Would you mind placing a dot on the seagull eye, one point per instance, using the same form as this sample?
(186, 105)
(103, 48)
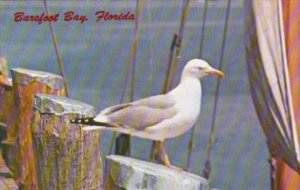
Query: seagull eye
(200, 68)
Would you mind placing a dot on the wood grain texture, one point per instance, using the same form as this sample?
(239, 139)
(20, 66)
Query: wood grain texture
(6, 99)
(124, 173)
(18, 145)
(67, 157)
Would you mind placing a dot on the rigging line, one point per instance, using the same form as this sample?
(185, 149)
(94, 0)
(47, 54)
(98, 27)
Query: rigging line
(203, 28)
(206, 171)
(169, 76)
(54, 41)
(133, 51)
(178, 42)
(151, 43)
(131, 63)
(191, 141)
(164, 87)
(139, 13)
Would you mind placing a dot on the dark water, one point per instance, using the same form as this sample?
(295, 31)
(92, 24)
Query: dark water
(95, 57)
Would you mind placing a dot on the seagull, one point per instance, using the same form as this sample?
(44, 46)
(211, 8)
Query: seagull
(158, 117)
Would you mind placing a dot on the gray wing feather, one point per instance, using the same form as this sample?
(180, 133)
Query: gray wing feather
(159, 101)
(142, 113)
(115, 108)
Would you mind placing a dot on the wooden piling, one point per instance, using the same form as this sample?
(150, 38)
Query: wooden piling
(6, 98)
(8, 184)
(18, 145)
(131, 174)
(66, 156)
(6, 103)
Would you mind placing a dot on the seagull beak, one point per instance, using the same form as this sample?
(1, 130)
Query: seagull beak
(215, 72)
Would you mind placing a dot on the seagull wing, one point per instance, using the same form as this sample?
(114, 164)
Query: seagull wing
(142, 113)
(115, 108)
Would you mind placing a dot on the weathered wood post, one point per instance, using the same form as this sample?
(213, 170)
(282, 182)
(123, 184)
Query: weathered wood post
(131, 174)
(6, 103)
(67, 157)
(18, 145)
(6, 98)
(6, 180)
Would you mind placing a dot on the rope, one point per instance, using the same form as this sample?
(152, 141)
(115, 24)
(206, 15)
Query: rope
(207, 169)
(203, 28)
(164, 87)
(179, 40)
(172, 67)
(191, 141)
(176, 44)
(54, 41)
(132, 61)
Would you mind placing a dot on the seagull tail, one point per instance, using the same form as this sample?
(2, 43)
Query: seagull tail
(92, 121)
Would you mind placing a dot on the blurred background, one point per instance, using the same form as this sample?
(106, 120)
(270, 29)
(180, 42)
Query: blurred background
(95, 57)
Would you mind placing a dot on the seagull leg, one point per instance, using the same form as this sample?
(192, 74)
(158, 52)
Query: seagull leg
(161, 153)
(162, 156)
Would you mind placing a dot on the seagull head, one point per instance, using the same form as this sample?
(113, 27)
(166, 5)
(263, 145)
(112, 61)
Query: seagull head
(198, 68)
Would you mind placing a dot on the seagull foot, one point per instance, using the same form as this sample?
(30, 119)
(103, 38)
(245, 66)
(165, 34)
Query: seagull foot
(161, 155)
(175, 167)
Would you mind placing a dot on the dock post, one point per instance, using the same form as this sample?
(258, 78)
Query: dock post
(6, 103)
(131, 174)
(66, 156)
(6, 98)
(18, 144)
